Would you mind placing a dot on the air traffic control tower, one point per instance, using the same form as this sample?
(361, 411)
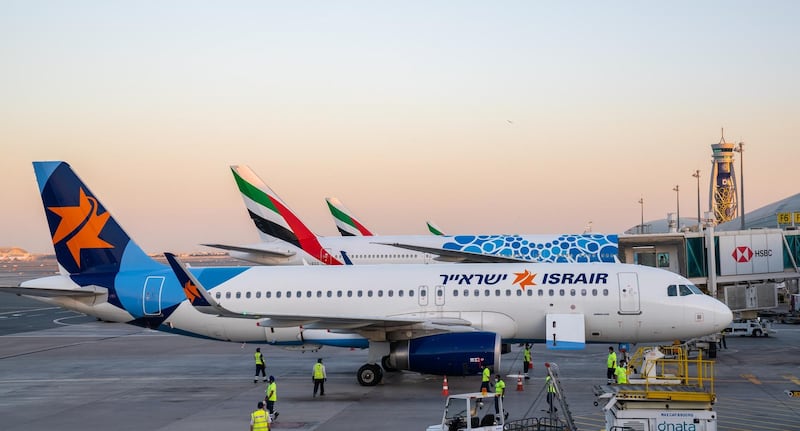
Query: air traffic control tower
(722, 196)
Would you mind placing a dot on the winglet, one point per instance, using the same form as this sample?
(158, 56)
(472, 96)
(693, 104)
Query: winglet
(346, 222)
(197, 295)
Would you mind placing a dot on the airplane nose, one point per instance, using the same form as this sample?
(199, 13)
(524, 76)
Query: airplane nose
(723, 316)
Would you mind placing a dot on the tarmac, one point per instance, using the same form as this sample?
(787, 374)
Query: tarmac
(64, 371)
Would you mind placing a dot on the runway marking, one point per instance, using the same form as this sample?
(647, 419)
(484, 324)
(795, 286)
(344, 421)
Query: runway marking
(30, 310)
(753, 379)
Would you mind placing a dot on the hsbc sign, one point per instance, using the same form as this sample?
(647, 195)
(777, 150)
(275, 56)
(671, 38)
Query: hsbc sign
(753, 253)
(742, 254)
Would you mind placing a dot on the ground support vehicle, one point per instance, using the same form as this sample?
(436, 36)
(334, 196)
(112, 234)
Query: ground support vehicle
(672, 393)
(750, 328)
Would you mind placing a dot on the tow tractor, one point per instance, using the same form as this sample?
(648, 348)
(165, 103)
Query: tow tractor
(475, 411)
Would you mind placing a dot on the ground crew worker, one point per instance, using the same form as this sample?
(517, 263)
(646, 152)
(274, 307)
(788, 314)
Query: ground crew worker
(551, 393)
(622, 373)
(500, 391)
(611, 365)
(271, 397)
(259, 419)
(486, 375)
(260, 366)
(319, 376)
(526, 360)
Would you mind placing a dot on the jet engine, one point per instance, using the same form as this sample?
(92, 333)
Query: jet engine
(451, 354)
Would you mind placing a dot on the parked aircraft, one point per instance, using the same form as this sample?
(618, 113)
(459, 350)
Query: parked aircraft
(437, 319)
(346, 222)
(287, 241)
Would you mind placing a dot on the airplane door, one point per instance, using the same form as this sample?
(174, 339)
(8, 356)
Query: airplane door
(439, 295)
(628, 293)
(423, 296)
(151, 295)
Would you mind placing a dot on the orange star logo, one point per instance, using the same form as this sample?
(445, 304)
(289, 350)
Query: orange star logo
(524, 279)
(190, 290)
(83, 223)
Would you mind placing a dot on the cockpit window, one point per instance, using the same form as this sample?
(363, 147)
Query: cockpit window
(696, 290)
(685, 290)
(672, 290)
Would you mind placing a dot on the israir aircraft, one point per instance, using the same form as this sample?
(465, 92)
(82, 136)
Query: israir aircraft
(287, 241)
(437, 319)
(346, 223)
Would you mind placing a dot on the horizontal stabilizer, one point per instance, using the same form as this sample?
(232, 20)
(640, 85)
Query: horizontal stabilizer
(566, 332)
(43, 292)
(252, 250)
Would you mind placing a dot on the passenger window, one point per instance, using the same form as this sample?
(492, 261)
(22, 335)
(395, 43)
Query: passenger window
(369, 293)
(380, 293)
(288, 293)
(672, 290)
(497, 292)
(541, 292)
(278, 294)
(477, 292)
(519, 292)
(572, 292)
(338, 293)
(605, 292)
(299, 294)
(238, 295)
(329, 294)
(561, 292)
(487, 292)
(308, 294)
(594, 292)
(583, 292)
(466, 292)
(268, 294)
(400, 293)
(455, 292)
(551, 292)
(508, 292)
(410, 293)
(219, 295)
(349, 293)
(390, 293)
(319, 294)
(360, 293)
(258, 295)
(530, 292)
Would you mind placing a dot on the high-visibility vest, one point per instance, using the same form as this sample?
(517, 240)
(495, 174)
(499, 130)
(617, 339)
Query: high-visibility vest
(527, 355)
(318, 374)
(499, 387)
(259, 418)
(272, 392)
(486, 374)
(550, 387)
(612, 360)
(259, 358)
(622, 375)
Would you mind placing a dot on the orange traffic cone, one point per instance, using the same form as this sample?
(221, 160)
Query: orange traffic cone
(519, 384)
(445, 389)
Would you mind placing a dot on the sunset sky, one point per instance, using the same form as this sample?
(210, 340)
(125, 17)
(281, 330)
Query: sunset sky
(485, 117)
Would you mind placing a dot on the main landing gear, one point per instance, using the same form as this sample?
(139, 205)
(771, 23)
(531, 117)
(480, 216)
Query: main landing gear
(369, 375)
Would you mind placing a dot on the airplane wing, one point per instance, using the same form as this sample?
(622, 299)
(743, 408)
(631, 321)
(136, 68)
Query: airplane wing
(204, 302)
(457, 255)
(270, 253)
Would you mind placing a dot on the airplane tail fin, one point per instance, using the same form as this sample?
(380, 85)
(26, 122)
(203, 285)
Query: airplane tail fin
(434, 229)
(346, 222)
(272, 216)
(86, 237)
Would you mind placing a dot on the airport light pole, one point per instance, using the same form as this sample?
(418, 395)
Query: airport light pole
(696, 174)
(641, 225)
(678, 201)
(740, 149)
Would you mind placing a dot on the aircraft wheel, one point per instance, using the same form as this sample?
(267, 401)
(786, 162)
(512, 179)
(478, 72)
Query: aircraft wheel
(757, 333)
(386, 366)
(369, 375)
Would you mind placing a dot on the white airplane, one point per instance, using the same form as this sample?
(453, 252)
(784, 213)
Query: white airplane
(346, 221)
(285, 240)
(437, 319)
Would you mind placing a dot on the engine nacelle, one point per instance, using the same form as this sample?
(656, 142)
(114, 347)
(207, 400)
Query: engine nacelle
(451, 354)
